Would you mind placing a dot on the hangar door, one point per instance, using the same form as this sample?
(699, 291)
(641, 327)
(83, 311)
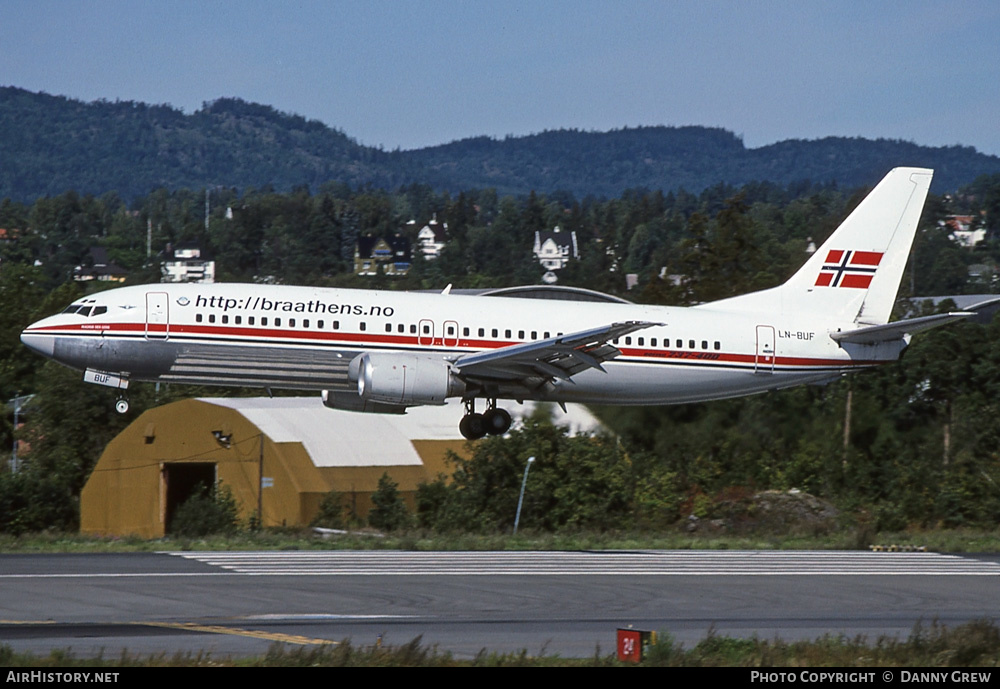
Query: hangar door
(181, 480)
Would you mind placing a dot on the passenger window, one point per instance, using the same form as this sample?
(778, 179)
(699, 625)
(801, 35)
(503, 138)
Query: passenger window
(263, 320)
(717, 345)
(277, 322)
(305, 323)
(506, 333)
(465, 332)
(520, 334)
(704, 344)
(482, 332)
(291, 322)
(628, 340)
(427, 330)
(211, 318)
(614, 341)
(225, 319)
(238, 320)
(652, 342)
(496, 332)
(197, 318)
(413, 330)
(690, 344)
(534, 334)
(251, 320)
(388, 327)
(319, 324)
(641, 341)
(547, 334)
(400, 328)
(364, 326)
(336, 325)
(680, 344)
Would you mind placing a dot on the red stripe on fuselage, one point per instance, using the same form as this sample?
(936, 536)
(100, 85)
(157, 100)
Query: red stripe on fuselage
(277, 336)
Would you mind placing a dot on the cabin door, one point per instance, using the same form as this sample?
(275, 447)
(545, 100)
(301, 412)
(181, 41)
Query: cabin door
(157, 316)
(764, 360)
(425, 332)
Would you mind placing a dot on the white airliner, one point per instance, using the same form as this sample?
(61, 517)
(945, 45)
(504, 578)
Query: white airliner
(377, 351)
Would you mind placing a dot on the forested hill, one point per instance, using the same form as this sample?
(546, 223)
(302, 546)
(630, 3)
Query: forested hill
(51, 144)
(669, 158)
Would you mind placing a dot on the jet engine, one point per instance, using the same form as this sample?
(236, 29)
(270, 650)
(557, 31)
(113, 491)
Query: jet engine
(404, 379)
(349, 401)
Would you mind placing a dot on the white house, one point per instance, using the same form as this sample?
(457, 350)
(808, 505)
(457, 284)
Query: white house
(431, 238)
(554, 248)
(962, 230)
(186, 264)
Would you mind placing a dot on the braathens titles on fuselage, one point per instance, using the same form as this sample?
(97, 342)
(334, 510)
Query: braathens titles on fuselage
(383, 351)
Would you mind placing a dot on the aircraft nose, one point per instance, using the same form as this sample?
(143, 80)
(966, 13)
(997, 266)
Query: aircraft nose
(40, 342)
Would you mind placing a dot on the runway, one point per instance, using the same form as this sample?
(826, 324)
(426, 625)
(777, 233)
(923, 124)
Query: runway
(566, 603)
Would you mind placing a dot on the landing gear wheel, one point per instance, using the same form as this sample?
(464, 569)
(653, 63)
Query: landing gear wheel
(121, 406)
(497, 421)
(472, 426)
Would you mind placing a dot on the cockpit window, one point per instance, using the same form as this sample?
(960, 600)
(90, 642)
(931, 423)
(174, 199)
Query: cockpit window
(86, 309)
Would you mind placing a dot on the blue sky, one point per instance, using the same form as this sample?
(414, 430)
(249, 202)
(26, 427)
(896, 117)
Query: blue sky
(410, 74)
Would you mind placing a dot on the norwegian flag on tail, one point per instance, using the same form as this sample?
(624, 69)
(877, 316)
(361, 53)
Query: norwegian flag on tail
(848, 268)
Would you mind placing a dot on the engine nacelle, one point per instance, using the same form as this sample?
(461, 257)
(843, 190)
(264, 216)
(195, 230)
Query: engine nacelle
(407, 379)
(348, 400)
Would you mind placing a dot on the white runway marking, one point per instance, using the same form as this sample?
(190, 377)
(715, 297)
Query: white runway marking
(603, 563)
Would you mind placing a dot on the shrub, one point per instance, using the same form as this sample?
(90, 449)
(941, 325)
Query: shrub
(206, 512)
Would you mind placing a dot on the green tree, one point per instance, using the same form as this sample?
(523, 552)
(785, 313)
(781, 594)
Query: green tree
(389, 512)
(331, 514)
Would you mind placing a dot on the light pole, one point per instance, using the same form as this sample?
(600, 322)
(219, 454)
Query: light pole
(18, 404)
(524, 481)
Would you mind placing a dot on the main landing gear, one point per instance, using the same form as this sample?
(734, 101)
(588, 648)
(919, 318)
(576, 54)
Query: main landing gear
(494, 421)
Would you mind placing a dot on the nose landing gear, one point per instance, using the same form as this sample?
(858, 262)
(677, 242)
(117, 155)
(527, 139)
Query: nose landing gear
(494, 421)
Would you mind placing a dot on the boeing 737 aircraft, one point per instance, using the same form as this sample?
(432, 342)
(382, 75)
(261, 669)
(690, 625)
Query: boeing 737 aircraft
(375, 351)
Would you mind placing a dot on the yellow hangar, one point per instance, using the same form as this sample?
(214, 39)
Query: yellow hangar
(279, 457)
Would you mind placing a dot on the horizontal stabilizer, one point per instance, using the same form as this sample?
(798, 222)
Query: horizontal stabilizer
(982, 305)
(874, 334)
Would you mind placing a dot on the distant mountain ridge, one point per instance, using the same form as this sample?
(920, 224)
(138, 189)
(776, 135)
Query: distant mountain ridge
(51, 144)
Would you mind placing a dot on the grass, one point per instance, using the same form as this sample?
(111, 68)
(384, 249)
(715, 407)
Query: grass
(954, 541)
(976, 644)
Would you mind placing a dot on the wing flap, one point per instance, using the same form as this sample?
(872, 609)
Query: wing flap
(558, 357)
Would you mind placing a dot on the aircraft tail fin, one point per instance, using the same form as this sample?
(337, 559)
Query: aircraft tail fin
(857, 271)
(855, 275)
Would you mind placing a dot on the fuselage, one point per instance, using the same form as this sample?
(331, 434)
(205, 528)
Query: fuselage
(304, 338)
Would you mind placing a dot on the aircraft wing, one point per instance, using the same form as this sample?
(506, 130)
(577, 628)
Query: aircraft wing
(875, 334)
(557, 357)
